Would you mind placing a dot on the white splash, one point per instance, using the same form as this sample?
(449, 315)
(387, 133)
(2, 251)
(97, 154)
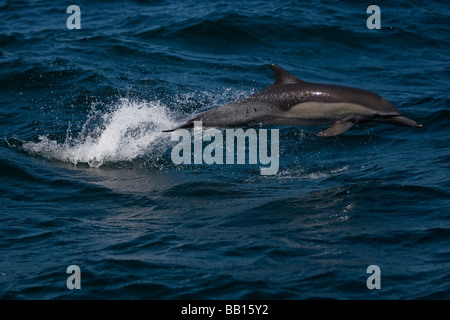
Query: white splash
(129, 130)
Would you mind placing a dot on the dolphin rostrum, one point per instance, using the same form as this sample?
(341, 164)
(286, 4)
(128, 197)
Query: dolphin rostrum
(291, 101)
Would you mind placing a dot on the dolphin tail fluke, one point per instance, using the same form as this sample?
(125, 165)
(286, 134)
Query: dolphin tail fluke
(336, 129)
(186, 125)
(403, 121)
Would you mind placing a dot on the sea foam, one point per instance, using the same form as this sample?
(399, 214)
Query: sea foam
(125, 131)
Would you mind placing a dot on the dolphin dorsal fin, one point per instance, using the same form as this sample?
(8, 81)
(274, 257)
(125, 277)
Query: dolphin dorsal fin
(282, 76)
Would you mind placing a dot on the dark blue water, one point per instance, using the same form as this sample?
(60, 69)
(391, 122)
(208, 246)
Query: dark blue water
(87, 177)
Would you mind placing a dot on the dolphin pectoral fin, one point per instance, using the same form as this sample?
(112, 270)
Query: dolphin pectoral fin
(336, 129)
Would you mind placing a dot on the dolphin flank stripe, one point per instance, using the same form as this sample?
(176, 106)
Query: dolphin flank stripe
(292, 101)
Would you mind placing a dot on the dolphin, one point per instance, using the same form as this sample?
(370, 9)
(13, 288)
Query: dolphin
(292, 101)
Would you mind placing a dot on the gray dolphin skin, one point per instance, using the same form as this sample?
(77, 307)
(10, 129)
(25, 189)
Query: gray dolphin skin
(294, 102)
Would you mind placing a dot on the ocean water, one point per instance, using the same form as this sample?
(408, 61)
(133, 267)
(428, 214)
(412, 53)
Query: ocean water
(87, 177)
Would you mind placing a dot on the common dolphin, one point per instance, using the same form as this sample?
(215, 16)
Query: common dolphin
(291, 101)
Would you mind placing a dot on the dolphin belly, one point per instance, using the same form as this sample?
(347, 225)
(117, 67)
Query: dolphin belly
(323, 113)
